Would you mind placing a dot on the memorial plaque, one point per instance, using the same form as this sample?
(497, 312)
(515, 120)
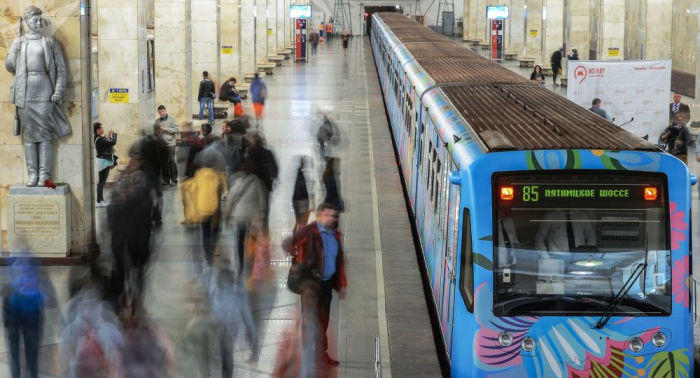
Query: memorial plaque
(37, 218)
(38, 221)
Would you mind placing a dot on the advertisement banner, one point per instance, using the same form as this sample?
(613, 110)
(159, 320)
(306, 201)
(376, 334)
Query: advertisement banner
(639, 89)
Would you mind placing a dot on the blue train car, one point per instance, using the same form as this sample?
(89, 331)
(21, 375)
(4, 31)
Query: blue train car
(556, 244)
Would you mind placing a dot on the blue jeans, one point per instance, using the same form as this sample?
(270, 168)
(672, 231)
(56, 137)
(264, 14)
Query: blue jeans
(206, 102)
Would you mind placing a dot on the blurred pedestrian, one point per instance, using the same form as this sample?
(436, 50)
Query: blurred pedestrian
(331, 182)
(244, 203)
(154, 151)
(106, 160)
(197, 144)
(556, 65)
(233, 146)
(258, 92)
(265, 167)
(346, 41)
(147, 350)
(301, 200)
(23, 310)
(129, 216)
(318, 246)
(167, 130)
(206, 96)
(314, 38)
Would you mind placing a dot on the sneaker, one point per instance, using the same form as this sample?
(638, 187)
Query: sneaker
(173, 183)
(102, 204)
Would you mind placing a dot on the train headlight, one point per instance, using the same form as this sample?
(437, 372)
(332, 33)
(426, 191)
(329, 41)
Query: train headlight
(659, 339)
(505, 339)
(528, 344)
(636, 344)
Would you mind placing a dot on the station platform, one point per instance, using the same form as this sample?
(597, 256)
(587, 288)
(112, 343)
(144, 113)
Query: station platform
(385, 296)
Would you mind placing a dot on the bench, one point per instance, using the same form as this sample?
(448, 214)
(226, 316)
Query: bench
(249, 76)
(285, 53)
(527, 62)
(564, 80)
(267, 68)
(476, 42)
(220, 107)
(276, 59)
(510, 55)
(485, 46)
(547, 70)
(243, 90)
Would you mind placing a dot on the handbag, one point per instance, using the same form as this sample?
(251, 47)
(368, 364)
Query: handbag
(300, 273)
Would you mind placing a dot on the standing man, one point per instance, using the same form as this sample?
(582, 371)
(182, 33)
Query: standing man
(677, 107)
(329, 30)
(313, 38)
(321, 29)
(556, 65)
(320, 242)
(167, 132)
(677, 138)
(207, 94)
(258, 91)
(597, 109)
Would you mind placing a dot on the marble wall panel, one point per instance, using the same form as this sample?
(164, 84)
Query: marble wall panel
(171, 40)
(516, 27)
(473, 5)
(280, 29)
(13, 166)
(68, 164)
(121, 24)
(74, 113)
(261, 32)
(6, 132)
(118, 55)
(580, 28)
(203, 11)
(171, 93)
(77, 208)
(64, 28)
(173, 56)
(533, 38)
(247, 40)
(205, 52)
(172, 65)
(170, 15)
(482, 32)
(684, 32)
(229, 36)
(119, 79)
(272, 27)
(554, 26)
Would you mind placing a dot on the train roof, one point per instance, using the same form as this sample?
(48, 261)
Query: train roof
(502, 108)
(528, 117)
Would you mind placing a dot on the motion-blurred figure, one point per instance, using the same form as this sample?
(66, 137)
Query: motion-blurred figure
(204, 137)
(331, 182)
(23, 316)
(245, 202)
(129, 217)
(233, 146)
(328, 136)
(264, 166)
(301, 200)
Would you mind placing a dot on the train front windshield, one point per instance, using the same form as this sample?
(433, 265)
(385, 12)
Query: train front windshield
(566, 243)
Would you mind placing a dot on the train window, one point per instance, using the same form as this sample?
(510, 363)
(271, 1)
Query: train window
(466, 277)
(567, 244)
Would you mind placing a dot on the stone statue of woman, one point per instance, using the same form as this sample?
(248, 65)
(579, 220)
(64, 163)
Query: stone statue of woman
(37, 88)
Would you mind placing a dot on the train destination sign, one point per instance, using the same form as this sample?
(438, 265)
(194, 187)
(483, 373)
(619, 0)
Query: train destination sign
(552, 193)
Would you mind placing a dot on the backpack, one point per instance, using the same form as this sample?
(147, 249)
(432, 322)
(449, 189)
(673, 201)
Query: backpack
(91, 360)
(201, 195)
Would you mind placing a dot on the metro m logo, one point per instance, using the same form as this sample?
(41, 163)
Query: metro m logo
(580, 74)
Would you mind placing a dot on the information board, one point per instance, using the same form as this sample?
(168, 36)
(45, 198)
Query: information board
(119, 95)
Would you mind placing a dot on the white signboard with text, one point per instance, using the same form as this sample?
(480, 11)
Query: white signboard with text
(639, 89)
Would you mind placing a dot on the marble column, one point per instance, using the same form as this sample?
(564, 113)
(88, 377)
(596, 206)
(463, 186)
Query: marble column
(659, 28)
(516, 27)
(261, 32)
(281, 29)
(72, 154)
(482, 30)
(554, 27)
(272, 29)
(230, 27)
(173, 56)
(465, 24)
(472, 21)
(533, 28)
(579, 27)
(247, 37)
(205, 45)
(611, 30)
(122, 60)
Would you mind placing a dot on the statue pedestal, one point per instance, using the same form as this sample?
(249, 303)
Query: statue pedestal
(39, 221)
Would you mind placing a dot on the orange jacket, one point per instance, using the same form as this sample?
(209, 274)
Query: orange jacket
(329, 28)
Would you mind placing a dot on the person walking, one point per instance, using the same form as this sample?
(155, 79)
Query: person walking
(331, 182)
(301, 201)
(313, 38)
(556, 65)
(206, 96)
(167, 131)
(318, 246)
(346, 41)
(106, 160)
(329, 31)
(258, 92)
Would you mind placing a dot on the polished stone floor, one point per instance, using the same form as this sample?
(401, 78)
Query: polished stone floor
(380, 255)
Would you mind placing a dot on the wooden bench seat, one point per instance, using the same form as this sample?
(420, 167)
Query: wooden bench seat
(476, 42)
(249, 76)
(547, 70)
(276, 59)
(267, 68)
(485, 46)
(243, 90)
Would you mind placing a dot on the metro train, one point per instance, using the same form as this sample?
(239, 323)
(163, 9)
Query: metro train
(556, 243)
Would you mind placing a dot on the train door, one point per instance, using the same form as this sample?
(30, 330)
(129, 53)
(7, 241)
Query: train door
(452, 238)
(439, 226)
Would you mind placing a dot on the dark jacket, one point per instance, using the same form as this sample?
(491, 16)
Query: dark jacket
(206, 89)
(104, 147)
(682, 108)
(573, 56)
(333, 193)
(300, 191)
(306, 242)
(533, 76)
(228, 92)
(265, 165)
(556, 59)
(677, 132)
